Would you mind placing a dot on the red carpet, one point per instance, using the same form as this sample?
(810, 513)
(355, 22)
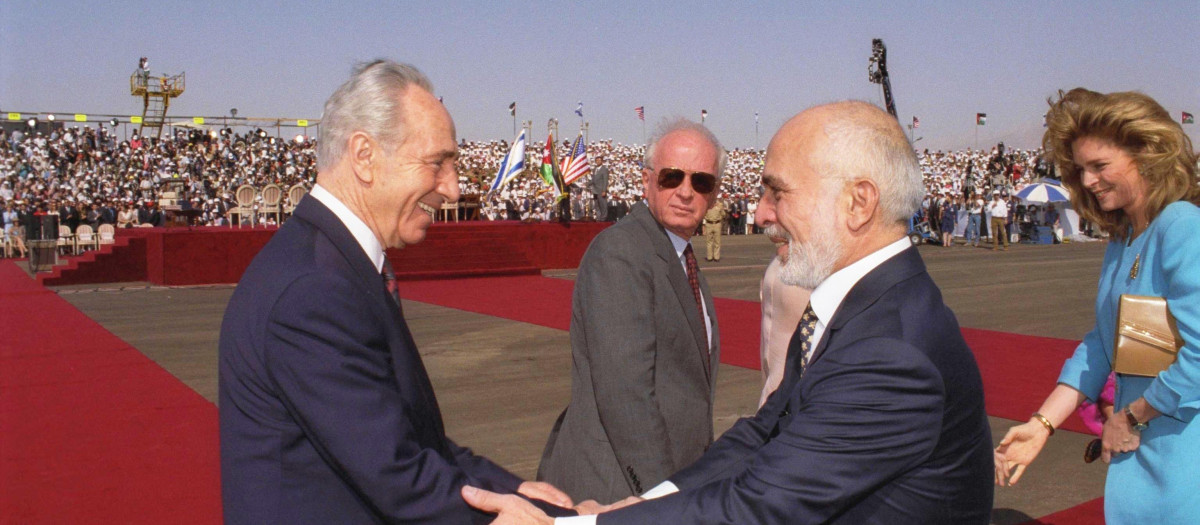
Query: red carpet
(1018, 370)
(1090, 513)
(92, 430)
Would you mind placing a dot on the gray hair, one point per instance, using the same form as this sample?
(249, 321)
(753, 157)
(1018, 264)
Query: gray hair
(368, 102)
(861, 145)
(673, 124)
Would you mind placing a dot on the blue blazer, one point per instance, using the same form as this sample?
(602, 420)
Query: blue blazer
(327, 414)
(887, 425)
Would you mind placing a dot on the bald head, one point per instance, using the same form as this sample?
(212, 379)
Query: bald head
(841, 183)
(856, 140)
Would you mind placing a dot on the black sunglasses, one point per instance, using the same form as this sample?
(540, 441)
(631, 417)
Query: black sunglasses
(703, 183)
(1093, 450)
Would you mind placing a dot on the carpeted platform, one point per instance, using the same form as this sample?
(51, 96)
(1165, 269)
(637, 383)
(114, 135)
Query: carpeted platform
(93, 431)
(219, 255)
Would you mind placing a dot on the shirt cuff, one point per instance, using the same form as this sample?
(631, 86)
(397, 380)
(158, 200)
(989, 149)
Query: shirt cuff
(665, 488)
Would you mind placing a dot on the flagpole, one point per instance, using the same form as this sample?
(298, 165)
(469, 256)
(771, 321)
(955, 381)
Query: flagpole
(514, 116)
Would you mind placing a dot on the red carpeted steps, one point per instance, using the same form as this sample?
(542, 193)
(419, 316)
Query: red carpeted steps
(450, 253)
(122, 261)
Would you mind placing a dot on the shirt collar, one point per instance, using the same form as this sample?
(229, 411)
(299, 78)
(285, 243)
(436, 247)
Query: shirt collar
(828, 296)
(359, 229)
(679, 243)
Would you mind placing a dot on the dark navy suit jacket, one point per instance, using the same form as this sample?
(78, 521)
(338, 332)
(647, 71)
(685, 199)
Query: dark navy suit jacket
(327, 414)
(886, 426)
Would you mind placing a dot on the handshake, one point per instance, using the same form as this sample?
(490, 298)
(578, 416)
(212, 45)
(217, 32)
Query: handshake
(513, 510)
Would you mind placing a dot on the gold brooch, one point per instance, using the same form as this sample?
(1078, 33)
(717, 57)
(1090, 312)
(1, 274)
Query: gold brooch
(1133, 271)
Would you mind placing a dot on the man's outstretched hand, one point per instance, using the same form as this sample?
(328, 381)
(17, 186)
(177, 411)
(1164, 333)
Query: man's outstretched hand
(545, 492)
(508, 508)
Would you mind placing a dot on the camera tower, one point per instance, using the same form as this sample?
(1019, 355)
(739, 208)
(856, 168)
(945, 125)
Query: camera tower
(156, 93)
(877, 73)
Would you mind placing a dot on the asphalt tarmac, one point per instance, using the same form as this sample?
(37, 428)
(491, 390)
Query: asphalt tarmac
(501, 383)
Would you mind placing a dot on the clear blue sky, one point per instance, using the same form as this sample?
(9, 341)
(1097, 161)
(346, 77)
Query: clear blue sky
(948, 60)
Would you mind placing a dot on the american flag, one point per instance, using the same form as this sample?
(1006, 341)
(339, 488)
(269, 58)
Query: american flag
(641, 112)
(916, 122)
(576, 163)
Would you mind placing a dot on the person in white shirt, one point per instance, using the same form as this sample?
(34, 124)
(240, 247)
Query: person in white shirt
(998, 209)
(974, 220)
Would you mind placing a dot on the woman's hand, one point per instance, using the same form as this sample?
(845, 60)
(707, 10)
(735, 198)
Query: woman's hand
(1117, 437)
(1018, 449)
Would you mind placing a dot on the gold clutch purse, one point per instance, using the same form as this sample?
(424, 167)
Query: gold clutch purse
(1148, 340)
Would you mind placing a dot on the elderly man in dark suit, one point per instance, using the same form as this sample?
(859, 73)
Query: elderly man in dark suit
(643, 334)
(326, 412)
(879, 418)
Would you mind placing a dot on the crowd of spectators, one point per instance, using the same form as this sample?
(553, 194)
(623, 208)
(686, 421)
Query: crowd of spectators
(73, 170)
(86, 174)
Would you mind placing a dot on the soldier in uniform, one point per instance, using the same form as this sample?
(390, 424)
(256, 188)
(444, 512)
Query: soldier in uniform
(712, 231)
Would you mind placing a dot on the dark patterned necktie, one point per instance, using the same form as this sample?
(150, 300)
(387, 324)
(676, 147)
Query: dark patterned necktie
(389, 281)
(693, 275)
(806, 327)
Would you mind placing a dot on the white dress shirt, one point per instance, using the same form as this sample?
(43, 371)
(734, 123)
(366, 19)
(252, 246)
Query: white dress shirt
(998, 208)
(363, 234)
(681, 244)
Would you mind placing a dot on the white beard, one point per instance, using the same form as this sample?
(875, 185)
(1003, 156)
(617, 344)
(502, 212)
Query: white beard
(810, 263)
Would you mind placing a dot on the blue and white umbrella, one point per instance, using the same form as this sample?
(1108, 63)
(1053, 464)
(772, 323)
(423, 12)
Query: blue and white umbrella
(1043, 192)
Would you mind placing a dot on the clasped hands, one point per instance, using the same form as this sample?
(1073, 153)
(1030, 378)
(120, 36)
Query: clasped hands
(510, 509)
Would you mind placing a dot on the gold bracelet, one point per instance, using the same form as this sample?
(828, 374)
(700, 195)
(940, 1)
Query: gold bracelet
(1045, 422)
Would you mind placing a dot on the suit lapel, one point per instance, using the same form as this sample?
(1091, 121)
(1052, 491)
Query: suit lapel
(412, 378)
(868, 290)
(714, 352)
(408, 364)
(679, 281)
(311, 210)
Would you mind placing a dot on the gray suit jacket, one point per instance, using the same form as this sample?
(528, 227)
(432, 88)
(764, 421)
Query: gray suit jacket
(642, 379)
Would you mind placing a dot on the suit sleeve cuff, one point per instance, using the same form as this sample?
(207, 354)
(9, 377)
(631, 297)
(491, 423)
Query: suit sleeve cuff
(665, 488)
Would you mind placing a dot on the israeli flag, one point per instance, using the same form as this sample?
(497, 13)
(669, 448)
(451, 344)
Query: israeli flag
(512, 165)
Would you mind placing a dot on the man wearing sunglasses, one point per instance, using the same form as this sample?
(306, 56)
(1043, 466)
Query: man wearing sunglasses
(643, 333)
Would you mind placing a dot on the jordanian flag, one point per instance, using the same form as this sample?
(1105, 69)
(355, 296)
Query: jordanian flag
(980, 119)
(550, 171)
